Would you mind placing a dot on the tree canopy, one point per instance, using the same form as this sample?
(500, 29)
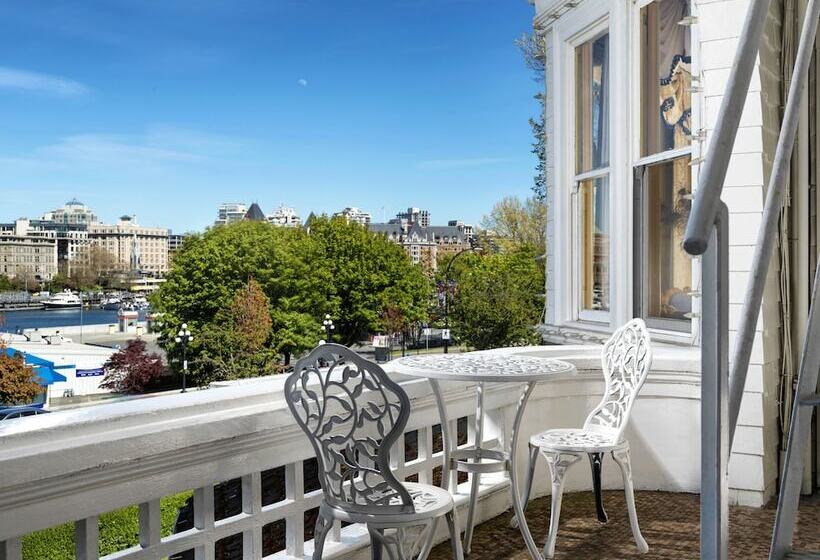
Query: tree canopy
(497, 301)
(294, 276)
(513, 224)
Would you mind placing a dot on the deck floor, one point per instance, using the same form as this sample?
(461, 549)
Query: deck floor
(669, 523)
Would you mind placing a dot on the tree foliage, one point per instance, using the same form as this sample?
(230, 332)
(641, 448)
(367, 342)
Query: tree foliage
(237, 343)
(6, 284)
(497, 301)
(533, 50)
(18, 381)
(330, 267)
(513, 224)
(369, 274)
(132, 369)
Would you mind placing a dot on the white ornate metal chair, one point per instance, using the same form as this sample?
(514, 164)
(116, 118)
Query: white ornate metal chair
(353, 413)
(626, 359)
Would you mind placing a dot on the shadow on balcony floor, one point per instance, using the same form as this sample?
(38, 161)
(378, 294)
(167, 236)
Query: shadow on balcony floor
(669, 523)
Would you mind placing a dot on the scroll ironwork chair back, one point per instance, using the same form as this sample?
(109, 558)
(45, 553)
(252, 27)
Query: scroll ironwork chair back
(353, 413)
(626, 359)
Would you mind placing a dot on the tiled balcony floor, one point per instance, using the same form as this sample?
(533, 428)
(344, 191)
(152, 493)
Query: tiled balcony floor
(669, 523)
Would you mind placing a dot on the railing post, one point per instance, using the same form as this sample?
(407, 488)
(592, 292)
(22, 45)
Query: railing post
(714, 401)
(11, 549)
(86, 539)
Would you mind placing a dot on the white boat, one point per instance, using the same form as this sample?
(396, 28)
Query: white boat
(63, 300)
(111, 303)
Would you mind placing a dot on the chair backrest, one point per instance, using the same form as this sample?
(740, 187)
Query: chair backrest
(353, 413)
(625, 360)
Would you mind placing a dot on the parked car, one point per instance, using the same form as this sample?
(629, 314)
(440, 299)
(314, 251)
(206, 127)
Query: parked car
(20, 412)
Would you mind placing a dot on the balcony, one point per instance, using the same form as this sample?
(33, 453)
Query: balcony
(75, 466)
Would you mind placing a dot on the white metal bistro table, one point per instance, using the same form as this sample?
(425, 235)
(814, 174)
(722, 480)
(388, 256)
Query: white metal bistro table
(482, 368)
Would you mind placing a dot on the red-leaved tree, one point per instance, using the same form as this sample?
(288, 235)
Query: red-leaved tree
(132, 369)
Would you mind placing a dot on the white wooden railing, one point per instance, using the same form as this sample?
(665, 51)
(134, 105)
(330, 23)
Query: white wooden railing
(75, 466)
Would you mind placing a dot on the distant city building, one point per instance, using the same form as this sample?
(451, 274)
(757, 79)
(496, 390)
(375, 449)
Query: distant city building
(355, 215)
(425, 244)
(73, 213)
(26, 253)
(255, 214)
(466, 229)
(412, 216)
(133, 245)
(230, 212)
(175, 241)
(285, 216)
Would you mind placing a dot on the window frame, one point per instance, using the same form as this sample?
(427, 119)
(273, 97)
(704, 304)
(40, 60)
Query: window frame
(600, 27)
(673, 329)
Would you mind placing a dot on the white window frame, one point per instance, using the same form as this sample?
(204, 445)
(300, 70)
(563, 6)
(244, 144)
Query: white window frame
(583, 23)
(637, 160)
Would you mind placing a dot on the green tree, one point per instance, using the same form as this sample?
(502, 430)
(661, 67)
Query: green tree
(6, 285)
(533, 50)
(369, 274)
(237, 343)
(497, 300)
(513, 224)
(211, 268)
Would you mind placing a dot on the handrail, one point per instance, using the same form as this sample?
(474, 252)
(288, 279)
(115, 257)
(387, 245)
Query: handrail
(767, 234)
(705, 205)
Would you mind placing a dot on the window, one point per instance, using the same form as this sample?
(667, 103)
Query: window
(663, 177)
(592, 175)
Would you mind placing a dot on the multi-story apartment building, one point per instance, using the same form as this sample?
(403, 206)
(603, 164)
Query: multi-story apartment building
(284, 216)
(132, 245)
(355, 215)
(230, 212)
(27, 253)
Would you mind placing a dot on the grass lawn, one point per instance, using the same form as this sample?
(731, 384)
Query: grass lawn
(118, 530)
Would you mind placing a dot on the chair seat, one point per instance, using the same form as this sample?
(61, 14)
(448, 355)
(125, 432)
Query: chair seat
(428, 500)
(580, 440)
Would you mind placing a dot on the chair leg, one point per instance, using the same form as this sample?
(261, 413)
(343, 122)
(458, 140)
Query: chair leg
(428, 534)
(376, 543)
(621, 457)
(596, 462)
(324, 524)
(558, 462)
(455, 536)
(525, 495)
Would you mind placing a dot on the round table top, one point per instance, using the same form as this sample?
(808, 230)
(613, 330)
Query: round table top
(471, 366)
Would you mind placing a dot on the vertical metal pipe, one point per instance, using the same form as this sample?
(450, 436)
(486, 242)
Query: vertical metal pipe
(767, 234)
(713, 172)
(714, 462)
(799, 432)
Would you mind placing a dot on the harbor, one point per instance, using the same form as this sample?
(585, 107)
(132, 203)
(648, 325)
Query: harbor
(38, 319)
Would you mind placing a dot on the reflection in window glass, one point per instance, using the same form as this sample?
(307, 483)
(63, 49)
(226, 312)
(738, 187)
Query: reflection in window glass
(592, 104)
(669, 267)
(666, 61)
(593, 196)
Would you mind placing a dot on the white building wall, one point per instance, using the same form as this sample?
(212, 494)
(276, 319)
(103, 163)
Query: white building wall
(753, 467)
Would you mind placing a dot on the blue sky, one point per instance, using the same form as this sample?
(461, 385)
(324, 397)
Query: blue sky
(165, 108)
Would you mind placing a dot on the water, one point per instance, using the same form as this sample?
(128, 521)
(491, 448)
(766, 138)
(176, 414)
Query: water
(49, 318)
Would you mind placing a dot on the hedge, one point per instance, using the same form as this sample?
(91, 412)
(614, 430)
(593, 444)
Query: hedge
(118, 530)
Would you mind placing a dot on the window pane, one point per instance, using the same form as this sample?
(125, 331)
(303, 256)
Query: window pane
(666, 78)
(592, 104)
(668, 267)
(594, 221)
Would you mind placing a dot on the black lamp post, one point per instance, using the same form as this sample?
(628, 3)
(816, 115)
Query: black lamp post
(447, 293)
(328, 327)
(184, 337)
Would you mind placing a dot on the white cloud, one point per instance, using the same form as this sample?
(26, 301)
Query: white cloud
(11, 78)
(465, 162)
(302, 82)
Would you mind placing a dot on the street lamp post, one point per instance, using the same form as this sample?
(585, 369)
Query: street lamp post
(328, 327)
(184, 337)
(447, 293)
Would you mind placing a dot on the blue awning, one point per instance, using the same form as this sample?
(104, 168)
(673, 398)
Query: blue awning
(44, 369)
